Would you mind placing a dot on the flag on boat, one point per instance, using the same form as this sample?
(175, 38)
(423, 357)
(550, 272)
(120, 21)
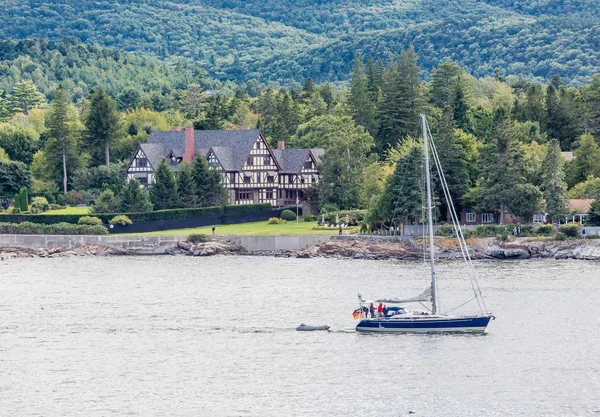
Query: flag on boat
(356, 314)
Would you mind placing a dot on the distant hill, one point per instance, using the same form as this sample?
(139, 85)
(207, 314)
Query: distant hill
(282, 40)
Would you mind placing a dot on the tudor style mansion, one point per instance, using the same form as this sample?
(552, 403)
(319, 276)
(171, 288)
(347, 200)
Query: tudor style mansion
(251, 171)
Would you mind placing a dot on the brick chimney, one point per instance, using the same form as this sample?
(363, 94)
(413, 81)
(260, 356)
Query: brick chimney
(244, 127)
(188, 153)
(280, 144)
(175, 129)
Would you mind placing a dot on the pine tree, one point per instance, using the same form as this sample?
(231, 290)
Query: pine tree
(163, 192)
(186, 187)
(561, 113)
(62, 142)
(102, 126)
(308, 89)
(374, 79)
(453, 160)
(25, 97)
(134, 199)
(200, 173)
(553, 182)
(362, 107)
(412, 93)
(586, 160)
(408, 189)
(503, 184)
(443, 82)
(388, 111)
(5, 111)
(460, 105)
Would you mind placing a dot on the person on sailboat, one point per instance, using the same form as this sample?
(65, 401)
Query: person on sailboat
(379, 310)
(372, 310)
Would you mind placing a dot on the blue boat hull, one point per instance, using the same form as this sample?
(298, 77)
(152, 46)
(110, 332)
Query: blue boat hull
(425, 324)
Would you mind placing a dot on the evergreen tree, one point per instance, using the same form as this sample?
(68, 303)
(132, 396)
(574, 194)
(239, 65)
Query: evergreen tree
(204, 181)
(107, 202)
(374, 76)
(129, 98)
(401, 103)
(453, 160)
(460, 105)
(102, 126)
(62, 141)
(215, 114)
(308, 89)
(24, 199)
(443, 83)
(13, 176)
(25, 97)
(342, 165)
(134, 199)
(503, 184)
(5, 110)
(586, 160)
(287, 119)
(407, 206)
(561, 111)
(362, 107)
(163, 192)
(186, 187)
(553, 182)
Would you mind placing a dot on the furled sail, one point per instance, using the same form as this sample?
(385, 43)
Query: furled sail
(423, 297)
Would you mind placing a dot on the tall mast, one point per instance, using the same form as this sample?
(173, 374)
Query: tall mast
(429, 213)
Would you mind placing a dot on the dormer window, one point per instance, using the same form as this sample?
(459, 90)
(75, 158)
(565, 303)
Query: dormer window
(308, 165)
(142, 162)
(250, 161)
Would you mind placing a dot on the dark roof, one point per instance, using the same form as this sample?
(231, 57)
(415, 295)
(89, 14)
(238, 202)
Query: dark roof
(155, 152)
(239, 141)
(291, 160)
(225, 157)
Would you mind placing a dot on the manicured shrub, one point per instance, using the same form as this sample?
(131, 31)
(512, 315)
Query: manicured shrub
(308, 217)
(89, 220)
(489, 230)
(120, 220)
(288, 215)
(570, 230)
(29, 228)
(544, 230)
(560, 236)
(17, 202)
(197, 238)
(24, 199)
(40, 204)
(275, 220)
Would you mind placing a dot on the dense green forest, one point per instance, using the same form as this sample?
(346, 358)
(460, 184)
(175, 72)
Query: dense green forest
(287, 40)
(500, 140)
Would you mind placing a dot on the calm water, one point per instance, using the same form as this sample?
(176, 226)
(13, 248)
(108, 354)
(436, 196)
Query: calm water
(185, 336)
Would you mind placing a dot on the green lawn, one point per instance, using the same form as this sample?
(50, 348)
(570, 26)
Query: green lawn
(69, 210)
(251, 229)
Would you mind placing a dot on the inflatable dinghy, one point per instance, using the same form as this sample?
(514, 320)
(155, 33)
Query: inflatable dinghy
(304, 328)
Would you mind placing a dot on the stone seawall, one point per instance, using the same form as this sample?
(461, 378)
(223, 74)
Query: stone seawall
(153, 245)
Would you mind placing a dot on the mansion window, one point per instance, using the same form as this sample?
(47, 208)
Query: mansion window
(246, 179)
(308, 165)
(143, 181)
(267, 160)
(142, 162)
(314, 179)
(269, 195)
(250, 161)
(245, 196)
(290, 179)
(471, 217)
(232, 177)
(270, 179)
(487, 218)
(257, 145)
(302, 181)
(538, 218)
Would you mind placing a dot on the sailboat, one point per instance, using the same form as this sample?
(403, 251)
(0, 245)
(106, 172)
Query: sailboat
(400, 319)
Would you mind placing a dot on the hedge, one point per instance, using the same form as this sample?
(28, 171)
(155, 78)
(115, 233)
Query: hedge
(173, 214)
(246, 208)
(28, 228)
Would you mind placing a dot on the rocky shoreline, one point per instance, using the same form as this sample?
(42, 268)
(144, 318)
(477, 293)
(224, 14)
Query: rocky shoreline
(356, 248)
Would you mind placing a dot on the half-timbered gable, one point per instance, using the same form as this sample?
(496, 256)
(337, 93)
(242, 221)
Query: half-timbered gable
(251, 171)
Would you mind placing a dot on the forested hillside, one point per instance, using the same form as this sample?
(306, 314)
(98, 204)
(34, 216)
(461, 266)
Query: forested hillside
(291, 40)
